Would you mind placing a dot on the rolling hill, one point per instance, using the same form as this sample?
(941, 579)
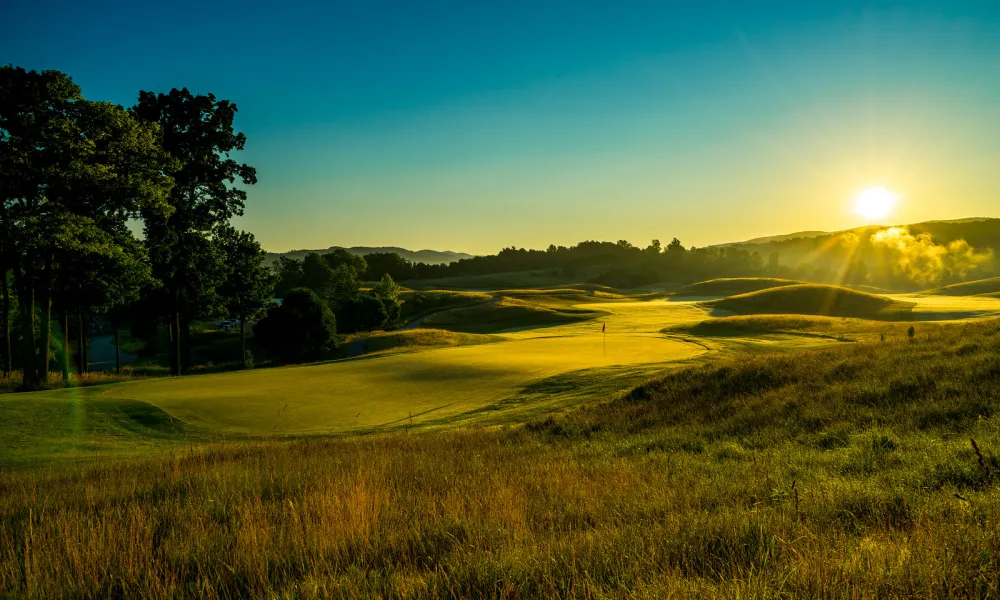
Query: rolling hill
(731, 286)
(814, 299)
(505, 313)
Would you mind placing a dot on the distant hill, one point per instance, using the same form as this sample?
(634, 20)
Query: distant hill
(430, 257)
(951, 228)
(908, 257)
(947, 224)
(781, 238)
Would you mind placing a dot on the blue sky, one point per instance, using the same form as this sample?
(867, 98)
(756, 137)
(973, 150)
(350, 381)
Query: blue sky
(473, 126)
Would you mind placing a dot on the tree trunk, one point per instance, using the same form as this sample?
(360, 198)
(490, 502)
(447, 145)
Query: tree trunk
(177, 331)
(30, 361)
(7, 358)
(45, 335)
(185, 336)
(118, 349)
(86, 351)
(80, 354)
(65, 344)
(243, 341)
(177, 343)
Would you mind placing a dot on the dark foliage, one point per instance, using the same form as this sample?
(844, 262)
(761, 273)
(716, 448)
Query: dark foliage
(298, 329)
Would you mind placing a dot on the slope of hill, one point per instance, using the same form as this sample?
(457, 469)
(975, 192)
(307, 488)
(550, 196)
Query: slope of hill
(783, 237)
(979, 287)
(431, 257)
(937, 226)
(904, 258)
(506, 313)
(730, 286)
(814, 299)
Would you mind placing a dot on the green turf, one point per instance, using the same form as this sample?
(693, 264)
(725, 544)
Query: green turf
(435, 378)
(980, 287)
(836, 328)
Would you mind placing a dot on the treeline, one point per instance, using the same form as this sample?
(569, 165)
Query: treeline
(618, 264)
(78, 176)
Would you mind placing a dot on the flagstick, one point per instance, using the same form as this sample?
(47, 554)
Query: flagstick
(604, 331)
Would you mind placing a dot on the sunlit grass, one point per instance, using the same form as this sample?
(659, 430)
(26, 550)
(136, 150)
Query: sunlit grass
(981, 287)
(844, 472)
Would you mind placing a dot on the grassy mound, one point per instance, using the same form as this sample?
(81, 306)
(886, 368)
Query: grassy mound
(731, 286)
(506, 313)
(417, 304)
(980, 287)
(40, 427)
(419, 338)
(815, 299)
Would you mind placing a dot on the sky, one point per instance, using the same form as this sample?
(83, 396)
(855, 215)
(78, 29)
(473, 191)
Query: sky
(473, 126)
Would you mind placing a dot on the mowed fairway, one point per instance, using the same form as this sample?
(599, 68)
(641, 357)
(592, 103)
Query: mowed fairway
(367, 393)
(373, 392)
(949, 308)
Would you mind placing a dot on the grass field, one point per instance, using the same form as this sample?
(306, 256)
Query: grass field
(815, 299)
(423, 377)
(768, 455)
(981, 287)
(843, 472)
(838, 328)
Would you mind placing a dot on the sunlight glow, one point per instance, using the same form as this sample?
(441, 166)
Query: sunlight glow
(875, 202)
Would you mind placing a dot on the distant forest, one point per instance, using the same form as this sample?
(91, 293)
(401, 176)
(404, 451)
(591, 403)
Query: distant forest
(899, 258)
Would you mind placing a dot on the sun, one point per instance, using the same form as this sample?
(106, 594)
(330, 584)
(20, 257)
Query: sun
(875, 202)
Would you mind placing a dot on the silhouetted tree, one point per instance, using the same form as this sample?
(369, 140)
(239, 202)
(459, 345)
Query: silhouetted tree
(289, 274)
(363, 312)
(387, 263)
(345, 283)
(198, 132)
(70, 169)
(248, 288)
(317, 275)
(387, 291)
(340, 256)
(299, 329)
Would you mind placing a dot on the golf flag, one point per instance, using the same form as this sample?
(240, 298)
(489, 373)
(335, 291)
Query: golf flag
(603, 325)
